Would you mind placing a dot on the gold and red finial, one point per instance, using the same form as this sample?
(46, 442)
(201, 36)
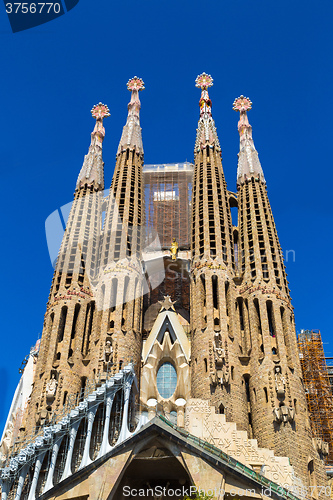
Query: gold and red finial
(100, 111)
(242, 104)
(204, 81)
(135, 83)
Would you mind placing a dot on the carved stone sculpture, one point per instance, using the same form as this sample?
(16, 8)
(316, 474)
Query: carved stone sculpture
(174, 249)
(279, 382)
(51, 388)
(284, 414)
(221, 375)
(213, 378)
(8, 437)
(218, 350)
(108, 354)
(321, 446)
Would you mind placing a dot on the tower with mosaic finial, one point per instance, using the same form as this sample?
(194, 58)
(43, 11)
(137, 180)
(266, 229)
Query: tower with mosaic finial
(70, 318)
(214, 357)
(121, 280)
(272, 371)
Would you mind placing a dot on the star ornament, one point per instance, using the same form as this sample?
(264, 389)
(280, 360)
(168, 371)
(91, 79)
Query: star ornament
(204, 81)
(100, 111)
(135, 84)
(242, 104)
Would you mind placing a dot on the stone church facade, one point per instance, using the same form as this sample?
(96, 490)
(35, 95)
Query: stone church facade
(169, 336)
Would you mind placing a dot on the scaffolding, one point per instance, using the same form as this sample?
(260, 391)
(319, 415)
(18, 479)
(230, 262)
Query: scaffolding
(317, 387)
(168, 190)
(329, 363)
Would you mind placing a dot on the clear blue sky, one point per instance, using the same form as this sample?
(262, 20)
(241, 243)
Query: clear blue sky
(277, 53)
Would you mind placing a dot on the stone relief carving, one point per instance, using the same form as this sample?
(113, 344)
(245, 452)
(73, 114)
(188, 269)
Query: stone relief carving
(51, 388)
(284, 414)
(42, 417)
(221, 373)
(219, 353)
(203, 421)
(108, 354)
(321, 446)
(280, 383)
(7, 440)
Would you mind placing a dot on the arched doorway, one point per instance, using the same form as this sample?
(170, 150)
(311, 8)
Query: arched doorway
(151, 470)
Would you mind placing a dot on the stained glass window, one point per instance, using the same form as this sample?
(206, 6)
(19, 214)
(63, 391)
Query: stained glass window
(166, 380)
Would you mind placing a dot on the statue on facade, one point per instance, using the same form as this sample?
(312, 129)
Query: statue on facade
(7, 439)
(279, 382)
(221, 375)
(108, 353)
(284, 414)
(51, 388)
(213, 378)
(174, 249)
(218, 350)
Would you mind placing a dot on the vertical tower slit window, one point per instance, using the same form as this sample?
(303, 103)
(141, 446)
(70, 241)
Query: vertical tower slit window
(258, 318)
(62, 323)
(74, 325)
(241, 313)
(88, 328)
(270, 318)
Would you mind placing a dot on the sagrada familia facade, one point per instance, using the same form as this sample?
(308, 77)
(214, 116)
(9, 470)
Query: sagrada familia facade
(168, 337)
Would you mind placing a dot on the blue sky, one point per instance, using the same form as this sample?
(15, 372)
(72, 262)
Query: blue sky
(276, 53)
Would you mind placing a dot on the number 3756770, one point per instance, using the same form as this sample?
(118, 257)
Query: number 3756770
(33, 8)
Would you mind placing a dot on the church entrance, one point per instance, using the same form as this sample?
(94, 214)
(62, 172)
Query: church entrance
(154, 473)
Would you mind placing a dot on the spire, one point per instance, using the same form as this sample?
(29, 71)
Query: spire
(248, 159)
(131, 137)
(92, 169)
(206, 131)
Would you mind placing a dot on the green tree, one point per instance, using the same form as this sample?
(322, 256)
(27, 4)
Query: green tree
(197, 496)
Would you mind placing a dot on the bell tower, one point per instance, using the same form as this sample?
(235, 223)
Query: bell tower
(121, 277)
(272, 370)
(70, 318)
(215, 362)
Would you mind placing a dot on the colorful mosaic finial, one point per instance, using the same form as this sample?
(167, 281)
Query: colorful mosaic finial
(206, 132)
(92, 171)
(131, 136)
(204, 81)
(135, 83)
(248, 159)
(242, 104)
(100, 111)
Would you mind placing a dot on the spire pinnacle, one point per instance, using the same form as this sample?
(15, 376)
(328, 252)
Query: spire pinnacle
(206, 131)
(203, 82)
(92, 168)
(131, 137)
(248, 159)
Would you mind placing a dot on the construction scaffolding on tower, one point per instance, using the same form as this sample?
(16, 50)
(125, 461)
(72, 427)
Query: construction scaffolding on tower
(317, 387)
(168, 190)
(168, 210)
